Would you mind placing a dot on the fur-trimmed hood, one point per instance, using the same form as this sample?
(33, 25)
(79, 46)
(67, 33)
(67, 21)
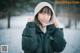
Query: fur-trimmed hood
(43, 4)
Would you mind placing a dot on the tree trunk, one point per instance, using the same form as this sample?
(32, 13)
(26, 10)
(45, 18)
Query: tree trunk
(9, 16)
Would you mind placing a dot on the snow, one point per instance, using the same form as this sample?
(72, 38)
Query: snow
(13, 36)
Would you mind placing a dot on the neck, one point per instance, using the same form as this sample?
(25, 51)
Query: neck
(43, 28)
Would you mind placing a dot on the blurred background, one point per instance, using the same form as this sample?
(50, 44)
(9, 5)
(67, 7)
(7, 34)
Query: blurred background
(14, 14)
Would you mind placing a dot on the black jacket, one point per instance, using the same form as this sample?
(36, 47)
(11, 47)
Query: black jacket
(35, 41)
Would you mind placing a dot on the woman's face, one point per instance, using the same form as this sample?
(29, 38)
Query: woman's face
(44, 15)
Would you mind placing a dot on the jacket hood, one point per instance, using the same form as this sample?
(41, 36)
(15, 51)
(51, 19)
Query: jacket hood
(40, 6)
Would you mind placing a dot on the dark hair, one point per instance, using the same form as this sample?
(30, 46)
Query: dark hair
(45, 9)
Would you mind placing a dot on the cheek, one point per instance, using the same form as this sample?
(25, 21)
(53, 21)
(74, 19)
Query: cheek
(40, 17)
(45, 18)
(48, 18)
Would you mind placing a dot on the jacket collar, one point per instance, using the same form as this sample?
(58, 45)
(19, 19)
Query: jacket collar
(49, 28)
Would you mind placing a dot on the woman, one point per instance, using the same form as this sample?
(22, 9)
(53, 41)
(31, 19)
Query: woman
(44, 34)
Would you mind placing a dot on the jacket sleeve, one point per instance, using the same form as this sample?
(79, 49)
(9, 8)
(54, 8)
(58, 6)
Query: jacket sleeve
(58, 42)
(29, 42)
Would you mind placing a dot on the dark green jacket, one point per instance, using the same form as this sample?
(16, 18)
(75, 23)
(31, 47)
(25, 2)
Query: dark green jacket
(35, 41)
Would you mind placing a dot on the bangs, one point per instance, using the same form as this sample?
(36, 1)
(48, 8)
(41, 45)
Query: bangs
(46, 10)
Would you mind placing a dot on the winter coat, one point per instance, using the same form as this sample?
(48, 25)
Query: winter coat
(35, 41)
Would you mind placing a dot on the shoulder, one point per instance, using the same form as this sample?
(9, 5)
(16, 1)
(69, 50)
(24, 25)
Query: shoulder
(30, 24)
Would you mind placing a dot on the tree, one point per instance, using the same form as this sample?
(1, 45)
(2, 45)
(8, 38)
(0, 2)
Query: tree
(9, 6)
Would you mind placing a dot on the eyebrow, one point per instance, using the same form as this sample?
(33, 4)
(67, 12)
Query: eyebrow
(46, 10)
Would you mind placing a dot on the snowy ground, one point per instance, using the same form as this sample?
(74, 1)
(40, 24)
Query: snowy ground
(13, 36)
